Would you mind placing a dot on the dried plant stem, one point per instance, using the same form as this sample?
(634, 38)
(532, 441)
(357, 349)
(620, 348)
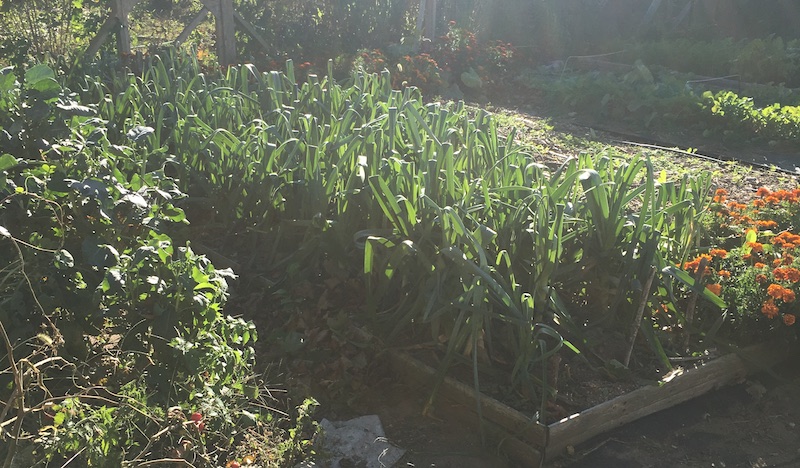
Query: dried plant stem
(17, 397)
(637, 321)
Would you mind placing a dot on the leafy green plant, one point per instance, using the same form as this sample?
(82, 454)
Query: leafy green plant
(108, 324)
(771, 123)
(469, 62)
(40, 29)
(645, 98)
(754, 267)
(34, 110)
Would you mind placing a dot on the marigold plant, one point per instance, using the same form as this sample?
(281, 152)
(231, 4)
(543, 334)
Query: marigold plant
(753, 266)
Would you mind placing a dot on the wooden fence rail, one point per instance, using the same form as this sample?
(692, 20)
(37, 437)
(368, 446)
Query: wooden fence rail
(225, 18)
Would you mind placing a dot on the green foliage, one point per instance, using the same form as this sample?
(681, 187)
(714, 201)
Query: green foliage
(465, 238)
(410, 69)
(646, 98)
(313, 31)
(118, 307)
(739, 115)
(34, 110)
(41, 29)
(762, 60)
(459, 52)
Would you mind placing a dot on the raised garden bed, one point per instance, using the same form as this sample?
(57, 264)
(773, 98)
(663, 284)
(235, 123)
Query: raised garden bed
(531, 443)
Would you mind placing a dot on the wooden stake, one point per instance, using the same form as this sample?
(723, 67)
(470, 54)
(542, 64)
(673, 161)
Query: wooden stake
(637, 321)
(226, 34)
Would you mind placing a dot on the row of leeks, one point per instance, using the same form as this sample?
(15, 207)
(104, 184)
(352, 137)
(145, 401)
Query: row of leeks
(461, 231)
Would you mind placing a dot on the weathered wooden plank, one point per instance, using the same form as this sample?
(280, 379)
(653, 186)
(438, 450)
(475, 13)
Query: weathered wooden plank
(515, 423)
(497, 436)
(100, 38)
(648, 400)
(226, 34)
(251, 30)
(430, 16)
(225, 29)
(199, 18)
(120, 9)
(117, 20)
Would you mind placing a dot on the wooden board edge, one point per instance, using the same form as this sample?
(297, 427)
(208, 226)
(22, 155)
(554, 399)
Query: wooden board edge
(627, 408)
(515, 423)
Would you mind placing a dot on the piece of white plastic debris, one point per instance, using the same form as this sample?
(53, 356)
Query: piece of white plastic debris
(360, 441)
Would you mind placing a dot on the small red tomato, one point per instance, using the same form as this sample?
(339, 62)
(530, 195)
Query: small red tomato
(233, 464)
(200, 426)
(196, 417)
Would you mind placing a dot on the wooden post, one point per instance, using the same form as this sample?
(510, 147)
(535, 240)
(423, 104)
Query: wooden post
(120, 9)
(224, 16)
(430, 20)
(118, 19)
(226, 29)
(226, 34)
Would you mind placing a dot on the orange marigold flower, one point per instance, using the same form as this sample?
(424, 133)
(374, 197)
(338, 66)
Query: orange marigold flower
(695, 264)
(789, 319)
(724, 273)
(786, 274)
(775, 291)
(777, 262)
(762, 192)
(766, 223)
(769, 308)
(792, 274)
(721, 192)
(746, 257)
(785, 195)
(721, 253)
(788, 295)
(761, 279)
(715, 288)
(759, 203)
(756, 246)
(759, 265)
